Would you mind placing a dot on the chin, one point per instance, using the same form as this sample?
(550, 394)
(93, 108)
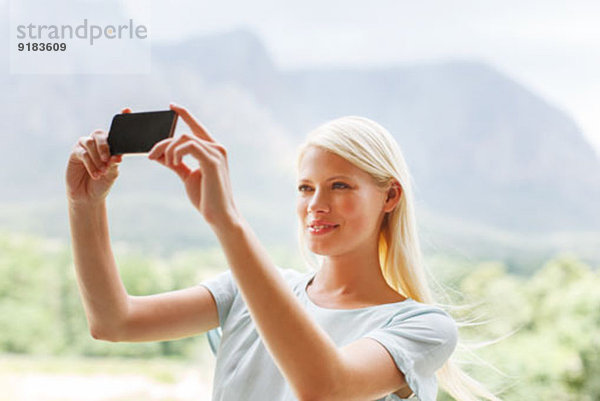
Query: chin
(319, 252)
(318, 249)
(322, 249)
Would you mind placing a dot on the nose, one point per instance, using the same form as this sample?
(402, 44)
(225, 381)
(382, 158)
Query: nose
(318, 203)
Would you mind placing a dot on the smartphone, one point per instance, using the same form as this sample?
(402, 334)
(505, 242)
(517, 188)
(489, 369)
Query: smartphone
(138, 132)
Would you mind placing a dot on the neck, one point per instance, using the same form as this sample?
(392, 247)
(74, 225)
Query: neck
(356, 273)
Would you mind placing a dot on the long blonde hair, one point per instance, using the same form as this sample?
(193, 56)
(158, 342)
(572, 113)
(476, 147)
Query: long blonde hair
(370, 147)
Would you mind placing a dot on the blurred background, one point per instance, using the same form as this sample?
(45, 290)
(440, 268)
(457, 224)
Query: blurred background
(495, 107)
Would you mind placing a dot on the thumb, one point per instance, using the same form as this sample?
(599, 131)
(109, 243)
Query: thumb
(112, 170)
(114, 160)
(113, 163)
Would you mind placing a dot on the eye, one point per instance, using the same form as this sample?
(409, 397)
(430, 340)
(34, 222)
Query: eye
(340, 185)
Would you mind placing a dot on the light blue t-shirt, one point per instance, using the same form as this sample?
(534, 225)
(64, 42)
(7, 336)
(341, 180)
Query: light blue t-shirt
(419, 337)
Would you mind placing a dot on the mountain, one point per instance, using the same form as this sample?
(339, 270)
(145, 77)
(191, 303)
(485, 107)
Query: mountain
(480, 145)
(483, 149)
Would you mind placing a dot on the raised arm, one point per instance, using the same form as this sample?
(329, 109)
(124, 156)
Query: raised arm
(91, 172)
(113, 314)
(104, 296)
(310, 361)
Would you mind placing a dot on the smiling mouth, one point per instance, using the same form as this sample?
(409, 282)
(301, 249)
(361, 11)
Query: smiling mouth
(322, 229)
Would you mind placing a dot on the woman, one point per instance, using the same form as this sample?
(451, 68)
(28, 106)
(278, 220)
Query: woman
(343, 332)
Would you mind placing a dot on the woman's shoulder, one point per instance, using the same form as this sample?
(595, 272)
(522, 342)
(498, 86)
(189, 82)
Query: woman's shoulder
(291, 275)
(419, 308)
(420, 314)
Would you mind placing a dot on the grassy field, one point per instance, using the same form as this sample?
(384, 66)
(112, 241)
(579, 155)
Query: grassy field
(29, 378)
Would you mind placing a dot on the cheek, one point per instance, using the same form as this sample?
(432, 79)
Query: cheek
(301, 206)
(358, 213)
(354, 213)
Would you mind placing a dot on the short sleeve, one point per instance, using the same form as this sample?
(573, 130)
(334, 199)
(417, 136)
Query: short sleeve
(223, 289)
(420, 343)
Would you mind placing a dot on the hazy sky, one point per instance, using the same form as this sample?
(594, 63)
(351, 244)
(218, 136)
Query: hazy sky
(552, 47)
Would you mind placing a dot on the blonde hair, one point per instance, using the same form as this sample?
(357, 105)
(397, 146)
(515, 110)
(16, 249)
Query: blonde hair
(370, 147)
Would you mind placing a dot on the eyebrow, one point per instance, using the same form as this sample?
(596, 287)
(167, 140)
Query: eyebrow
(329, 179)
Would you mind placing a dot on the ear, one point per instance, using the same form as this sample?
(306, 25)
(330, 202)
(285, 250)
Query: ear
(394, 194)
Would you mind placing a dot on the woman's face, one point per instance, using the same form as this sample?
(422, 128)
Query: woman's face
(339, 206)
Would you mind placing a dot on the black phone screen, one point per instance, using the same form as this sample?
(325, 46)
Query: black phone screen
(138, 132)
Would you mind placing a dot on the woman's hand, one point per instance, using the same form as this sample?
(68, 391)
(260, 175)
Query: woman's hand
(91, 170)
(208, 186)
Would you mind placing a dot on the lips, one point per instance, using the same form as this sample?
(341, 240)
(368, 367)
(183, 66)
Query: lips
(321, 226)
(318, 223)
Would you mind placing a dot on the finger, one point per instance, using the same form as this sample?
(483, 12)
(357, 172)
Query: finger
(158, 149)
(196, 127)
(181, 170)
(185, 138)
(102, 145)
(176, 142)
(199, 151)
(85, 158)
(114, 161)
(89, 144)
(219, 148)
(112, 166)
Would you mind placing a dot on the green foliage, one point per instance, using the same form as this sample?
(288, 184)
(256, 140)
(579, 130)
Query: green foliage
(553, 317)
(41, 311)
